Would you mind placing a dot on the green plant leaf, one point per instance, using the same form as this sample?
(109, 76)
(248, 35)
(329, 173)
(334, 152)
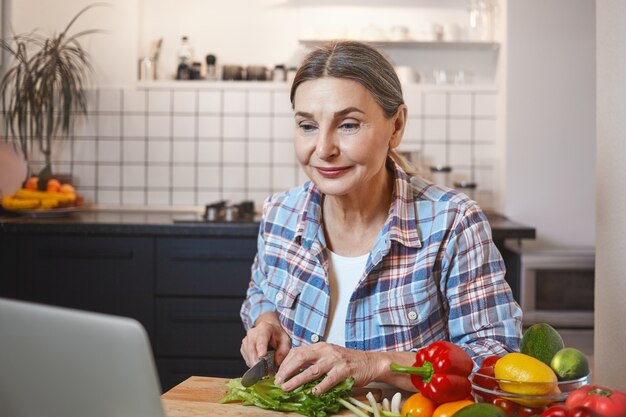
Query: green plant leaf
(43, 92)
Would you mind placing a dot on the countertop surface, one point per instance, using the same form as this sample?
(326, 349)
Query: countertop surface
(199, 396)
(177, 223)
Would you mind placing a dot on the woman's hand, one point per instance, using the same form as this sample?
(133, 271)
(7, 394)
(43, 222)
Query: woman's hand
(266, 332)
(336, 362)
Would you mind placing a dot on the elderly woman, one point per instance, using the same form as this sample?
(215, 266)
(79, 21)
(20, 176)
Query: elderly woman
(367, 262)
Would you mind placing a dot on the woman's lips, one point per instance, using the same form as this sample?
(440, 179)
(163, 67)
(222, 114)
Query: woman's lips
(333, 172)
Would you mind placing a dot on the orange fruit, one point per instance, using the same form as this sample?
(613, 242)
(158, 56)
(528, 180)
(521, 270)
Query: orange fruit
(448, 409)
(31, 184)
(67, 189)
(53, 185)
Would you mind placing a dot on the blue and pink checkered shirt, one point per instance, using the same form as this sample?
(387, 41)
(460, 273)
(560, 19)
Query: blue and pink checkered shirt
(434, 273)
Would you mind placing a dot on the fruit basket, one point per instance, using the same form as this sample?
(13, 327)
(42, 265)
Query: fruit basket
(521, 398)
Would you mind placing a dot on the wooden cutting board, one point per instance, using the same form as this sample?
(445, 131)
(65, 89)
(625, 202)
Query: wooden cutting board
(198, 397)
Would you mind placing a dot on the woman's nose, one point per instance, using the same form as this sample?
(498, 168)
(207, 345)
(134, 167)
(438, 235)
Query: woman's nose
(326, 147)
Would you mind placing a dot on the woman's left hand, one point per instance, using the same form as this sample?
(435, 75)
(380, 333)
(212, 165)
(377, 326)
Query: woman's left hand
(336, 362)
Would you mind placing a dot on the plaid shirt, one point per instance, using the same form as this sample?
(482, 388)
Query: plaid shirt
(433, 274)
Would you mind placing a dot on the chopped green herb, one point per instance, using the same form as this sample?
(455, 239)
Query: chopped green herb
(265, 394)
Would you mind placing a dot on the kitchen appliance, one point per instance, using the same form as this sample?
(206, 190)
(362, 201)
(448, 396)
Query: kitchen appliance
(223, 212)
(264, 367)
(556, 285)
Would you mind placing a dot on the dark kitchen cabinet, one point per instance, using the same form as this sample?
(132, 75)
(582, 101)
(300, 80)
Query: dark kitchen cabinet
(212, 267)
(201, 283)
(113, 275)
(8, 265)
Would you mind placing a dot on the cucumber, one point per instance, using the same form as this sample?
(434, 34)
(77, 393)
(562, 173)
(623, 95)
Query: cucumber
(541, 341)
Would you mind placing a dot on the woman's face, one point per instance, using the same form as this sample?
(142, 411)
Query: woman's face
(342, 135)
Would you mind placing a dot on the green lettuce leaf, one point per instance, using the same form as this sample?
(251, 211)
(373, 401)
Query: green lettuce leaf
(265, 394)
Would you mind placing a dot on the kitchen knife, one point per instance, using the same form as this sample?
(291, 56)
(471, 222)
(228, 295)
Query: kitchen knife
(262, 368)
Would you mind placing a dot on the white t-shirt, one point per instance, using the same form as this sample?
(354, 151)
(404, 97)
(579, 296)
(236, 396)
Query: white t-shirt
(344, 273)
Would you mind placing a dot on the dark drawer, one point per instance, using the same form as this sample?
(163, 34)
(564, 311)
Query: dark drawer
(113, 275)
(199, 327)
(204, 266)
(173, 371)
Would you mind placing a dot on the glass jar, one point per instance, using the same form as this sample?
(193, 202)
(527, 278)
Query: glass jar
(481, 20)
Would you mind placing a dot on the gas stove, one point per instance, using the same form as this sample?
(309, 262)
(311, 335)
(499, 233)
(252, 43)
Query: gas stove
(222, 212)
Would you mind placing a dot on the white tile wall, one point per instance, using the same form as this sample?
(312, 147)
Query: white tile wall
(209, 101)
(184, 126)
(193, 146)
(159, 101)
(133, 150)
(134, 125)
(184, 101)
(135, 101)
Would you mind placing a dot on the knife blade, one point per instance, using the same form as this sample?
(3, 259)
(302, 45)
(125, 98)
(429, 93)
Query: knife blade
(258, 371)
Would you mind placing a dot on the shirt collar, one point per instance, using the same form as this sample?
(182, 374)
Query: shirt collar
(401, 224)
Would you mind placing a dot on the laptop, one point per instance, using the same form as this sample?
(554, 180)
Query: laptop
(57, 362)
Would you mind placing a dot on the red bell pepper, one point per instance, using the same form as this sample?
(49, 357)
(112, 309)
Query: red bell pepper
(440, 372)
(602, 401)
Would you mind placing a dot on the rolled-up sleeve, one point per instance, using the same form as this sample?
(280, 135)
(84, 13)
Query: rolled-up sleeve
(255, 303)
(483, 316)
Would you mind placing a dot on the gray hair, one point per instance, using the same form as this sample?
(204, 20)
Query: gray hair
(362, 63)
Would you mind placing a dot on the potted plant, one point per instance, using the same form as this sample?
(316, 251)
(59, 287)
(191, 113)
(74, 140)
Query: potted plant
(44, 92)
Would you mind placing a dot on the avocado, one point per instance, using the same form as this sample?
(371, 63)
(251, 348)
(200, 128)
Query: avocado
(569, 364)
(541, 341)
(480, 410)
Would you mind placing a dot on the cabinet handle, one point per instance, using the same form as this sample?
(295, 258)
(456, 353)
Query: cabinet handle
(53, 253)
(204, 316)
(181, 255)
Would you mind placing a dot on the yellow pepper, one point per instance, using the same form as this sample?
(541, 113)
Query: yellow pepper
(522, 374)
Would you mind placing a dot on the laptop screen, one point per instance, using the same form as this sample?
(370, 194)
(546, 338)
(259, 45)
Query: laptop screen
(62, 362)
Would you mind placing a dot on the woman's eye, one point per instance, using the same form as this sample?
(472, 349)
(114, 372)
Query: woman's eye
(349, 126)
(307, 127)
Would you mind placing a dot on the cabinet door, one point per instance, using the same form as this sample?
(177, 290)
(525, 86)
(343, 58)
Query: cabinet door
(199, 327)
(204, 266)
(111, 275)
(8, 265)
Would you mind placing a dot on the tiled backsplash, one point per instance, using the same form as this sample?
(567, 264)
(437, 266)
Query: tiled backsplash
(191, 144)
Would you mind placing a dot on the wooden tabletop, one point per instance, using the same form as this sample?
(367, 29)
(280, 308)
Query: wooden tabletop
(198, 397)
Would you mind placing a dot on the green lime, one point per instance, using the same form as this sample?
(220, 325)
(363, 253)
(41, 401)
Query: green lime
(541, 341)
(480, 410)
(569, 363)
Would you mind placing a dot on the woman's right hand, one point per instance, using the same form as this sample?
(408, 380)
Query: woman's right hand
(267, 332)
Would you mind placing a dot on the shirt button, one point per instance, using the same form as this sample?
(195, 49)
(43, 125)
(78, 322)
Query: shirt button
(315, 338)
(412, 315)
(279, 296)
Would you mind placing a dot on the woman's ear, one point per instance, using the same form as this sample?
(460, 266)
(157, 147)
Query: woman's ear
(399, 123)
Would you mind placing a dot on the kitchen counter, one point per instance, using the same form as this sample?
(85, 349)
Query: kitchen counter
(147, 222)
(199, 396)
